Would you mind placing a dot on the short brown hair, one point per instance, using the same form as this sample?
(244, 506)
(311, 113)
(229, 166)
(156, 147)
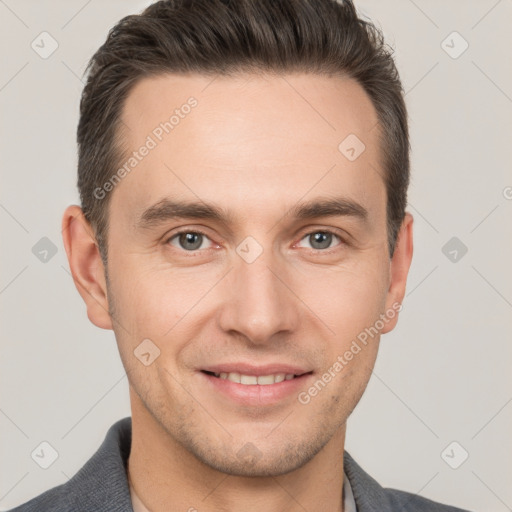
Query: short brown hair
(229, 36)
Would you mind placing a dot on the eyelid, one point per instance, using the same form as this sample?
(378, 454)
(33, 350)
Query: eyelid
(168, 237)
(342, 235)
(333, 231)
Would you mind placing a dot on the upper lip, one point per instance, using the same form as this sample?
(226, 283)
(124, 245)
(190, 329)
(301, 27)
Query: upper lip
(258, 371)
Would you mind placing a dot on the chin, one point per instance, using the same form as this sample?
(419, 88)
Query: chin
(254, 460)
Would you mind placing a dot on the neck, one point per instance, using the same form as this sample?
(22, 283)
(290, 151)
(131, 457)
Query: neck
(163, 473)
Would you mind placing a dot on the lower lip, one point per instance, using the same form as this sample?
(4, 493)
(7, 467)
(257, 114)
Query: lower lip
(257, 394)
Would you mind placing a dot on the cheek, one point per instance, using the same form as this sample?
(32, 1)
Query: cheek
(152, 309)
(348, 300)
(154, 302)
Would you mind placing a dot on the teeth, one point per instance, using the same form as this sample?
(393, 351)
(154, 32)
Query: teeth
(266, 379)
(262, 380)
(248, 379)
(234, 377)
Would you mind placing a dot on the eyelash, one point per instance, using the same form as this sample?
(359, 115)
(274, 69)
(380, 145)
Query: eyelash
(322, 251)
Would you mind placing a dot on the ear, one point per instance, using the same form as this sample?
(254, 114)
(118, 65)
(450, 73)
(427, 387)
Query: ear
(399, 269)
(86, 266)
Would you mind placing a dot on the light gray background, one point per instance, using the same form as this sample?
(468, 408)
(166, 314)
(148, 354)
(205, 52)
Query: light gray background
(443, 375)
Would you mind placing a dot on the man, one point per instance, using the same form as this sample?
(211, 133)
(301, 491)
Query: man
(243, 172)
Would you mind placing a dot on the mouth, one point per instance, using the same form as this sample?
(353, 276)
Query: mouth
(255, 386)
(255, 380)
(266, 389)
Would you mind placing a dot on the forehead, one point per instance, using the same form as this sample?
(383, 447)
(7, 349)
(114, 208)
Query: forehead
(325, 106)
(255, 138)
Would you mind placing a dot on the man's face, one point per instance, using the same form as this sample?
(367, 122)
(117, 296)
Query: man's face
(261, 286)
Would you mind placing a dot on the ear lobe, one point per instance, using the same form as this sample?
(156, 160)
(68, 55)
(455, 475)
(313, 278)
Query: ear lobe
(399, 270)
(86, 266)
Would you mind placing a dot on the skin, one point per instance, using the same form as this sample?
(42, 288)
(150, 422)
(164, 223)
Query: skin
(255, 146)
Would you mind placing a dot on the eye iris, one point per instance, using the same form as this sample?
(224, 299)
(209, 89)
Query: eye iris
(323, 239)
(191, 238)
(192, 241)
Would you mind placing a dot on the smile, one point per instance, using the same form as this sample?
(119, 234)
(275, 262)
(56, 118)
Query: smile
(252, 380)
(265, 389)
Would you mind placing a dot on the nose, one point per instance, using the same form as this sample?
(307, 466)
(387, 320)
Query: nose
(259, 302)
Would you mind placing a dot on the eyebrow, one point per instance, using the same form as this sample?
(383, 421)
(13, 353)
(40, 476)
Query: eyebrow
(169, 209)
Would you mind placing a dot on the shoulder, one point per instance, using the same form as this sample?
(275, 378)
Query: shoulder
(370, 496)
(101, 484)
(405, 501)
(52, 500)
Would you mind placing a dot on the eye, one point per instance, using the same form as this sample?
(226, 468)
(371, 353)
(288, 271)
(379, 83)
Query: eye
(320, 240)
(188, 240)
